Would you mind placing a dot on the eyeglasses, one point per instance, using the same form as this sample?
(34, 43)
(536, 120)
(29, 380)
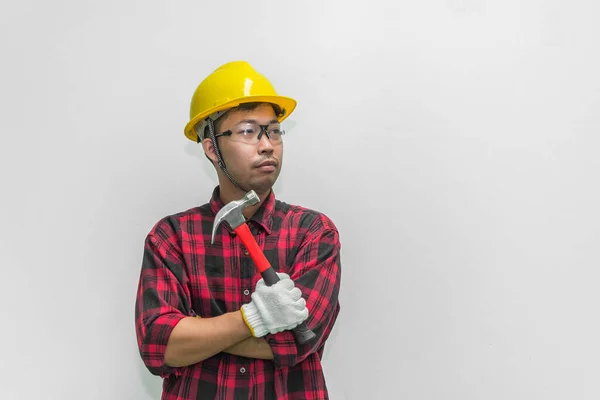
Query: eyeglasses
(251, 133)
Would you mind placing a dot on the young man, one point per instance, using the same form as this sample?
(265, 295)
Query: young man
(205, 320)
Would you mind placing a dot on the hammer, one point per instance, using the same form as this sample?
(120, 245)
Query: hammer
(232, 213)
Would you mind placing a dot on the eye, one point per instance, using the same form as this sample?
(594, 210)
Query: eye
(276, 130)
(246, 131)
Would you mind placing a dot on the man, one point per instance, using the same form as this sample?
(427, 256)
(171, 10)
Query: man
(205, 320)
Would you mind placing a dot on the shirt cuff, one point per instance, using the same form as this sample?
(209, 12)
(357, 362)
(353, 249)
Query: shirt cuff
(155, 344)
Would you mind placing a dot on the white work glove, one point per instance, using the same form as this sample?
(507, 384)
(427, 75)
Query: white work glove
(275, 308)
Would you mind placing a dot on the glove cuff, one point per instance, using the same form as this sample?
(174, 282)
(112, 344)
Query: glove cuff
(253, 320)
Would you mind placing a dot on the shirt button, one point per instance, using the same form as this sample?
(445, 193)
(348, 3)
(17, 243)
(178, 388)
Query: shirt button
(246, 292)
(243, 370)
(246, 252)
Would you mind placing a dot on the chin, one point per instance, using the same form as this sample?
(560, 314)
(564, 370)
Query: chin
(264, 186)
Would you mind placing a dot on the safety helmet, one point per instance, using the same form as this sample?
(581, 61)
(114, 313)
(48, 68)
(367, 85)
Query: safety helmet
(229, 86)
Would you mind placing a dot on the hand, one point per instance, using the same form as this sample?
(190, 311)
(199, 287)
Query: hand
(275, 308)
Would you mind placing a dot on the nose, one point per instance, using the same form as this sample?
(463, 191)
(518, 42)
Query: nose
(264, 144)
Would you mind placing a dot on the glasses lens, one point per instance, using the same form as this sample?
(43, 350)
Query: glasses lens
(275, 133)
(247, 132)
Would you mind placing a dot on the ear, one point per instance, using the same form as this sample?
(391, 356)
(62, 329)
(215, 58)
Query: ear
(209, 150)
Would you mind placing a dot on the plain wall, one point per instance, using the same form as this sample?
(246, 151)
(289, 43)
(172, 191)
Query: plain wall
(453, 142)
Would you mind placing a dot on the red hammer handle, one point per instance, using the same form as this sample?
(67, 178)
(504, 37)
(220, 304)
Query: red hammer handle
(301, 332)
(262, 264)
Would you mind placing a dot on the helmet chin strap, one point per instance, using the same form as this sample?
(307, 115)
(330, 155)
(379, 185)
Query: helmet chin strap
(211, 130)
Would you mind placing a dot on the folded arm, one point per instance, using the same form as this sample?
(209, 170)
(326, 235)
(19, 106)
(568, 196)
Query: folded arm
(196, 339)
(251, 348)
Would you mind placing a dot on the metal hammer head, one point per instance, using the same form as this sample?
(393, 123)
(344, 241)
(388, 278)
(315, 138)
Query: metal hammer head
(232, 212)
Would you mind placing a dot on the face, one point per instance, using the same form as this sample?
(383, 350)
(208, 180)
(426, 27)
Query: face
(255, 166)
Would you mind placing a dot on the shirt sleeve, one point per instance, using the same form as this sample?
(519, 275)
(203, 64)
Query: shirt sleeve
(317, 273)
(163, 298)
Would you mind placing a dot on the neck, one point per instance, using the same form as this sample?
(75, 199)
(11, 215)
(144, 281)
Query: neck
(228, 192)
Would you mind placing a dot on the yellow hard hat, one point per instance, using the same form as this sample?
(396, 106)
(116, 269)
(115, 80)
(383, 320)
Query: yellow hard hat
(229, 86)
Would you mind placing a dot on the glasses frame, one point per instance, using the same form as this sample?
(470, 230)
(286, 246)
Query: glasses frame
(263, 129)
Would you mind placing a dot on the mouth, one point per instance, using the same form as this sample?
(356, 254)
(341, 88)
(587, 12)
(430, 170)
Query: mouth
(267, 164)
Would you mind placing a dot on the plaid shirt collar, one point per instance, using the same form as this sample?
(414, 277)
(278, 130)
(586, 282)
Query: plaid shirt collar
(262, 217)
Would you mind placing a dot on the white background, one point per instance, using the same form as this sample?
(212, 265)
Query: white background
(453, 142)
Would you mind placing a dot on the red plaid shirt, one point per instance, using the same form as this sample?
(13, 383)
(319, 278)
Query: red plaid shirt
(183, 275)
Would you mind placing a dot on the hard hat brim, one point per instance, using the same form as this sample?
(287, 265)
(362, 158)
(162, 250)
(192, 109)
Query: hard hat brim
(286, 104)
